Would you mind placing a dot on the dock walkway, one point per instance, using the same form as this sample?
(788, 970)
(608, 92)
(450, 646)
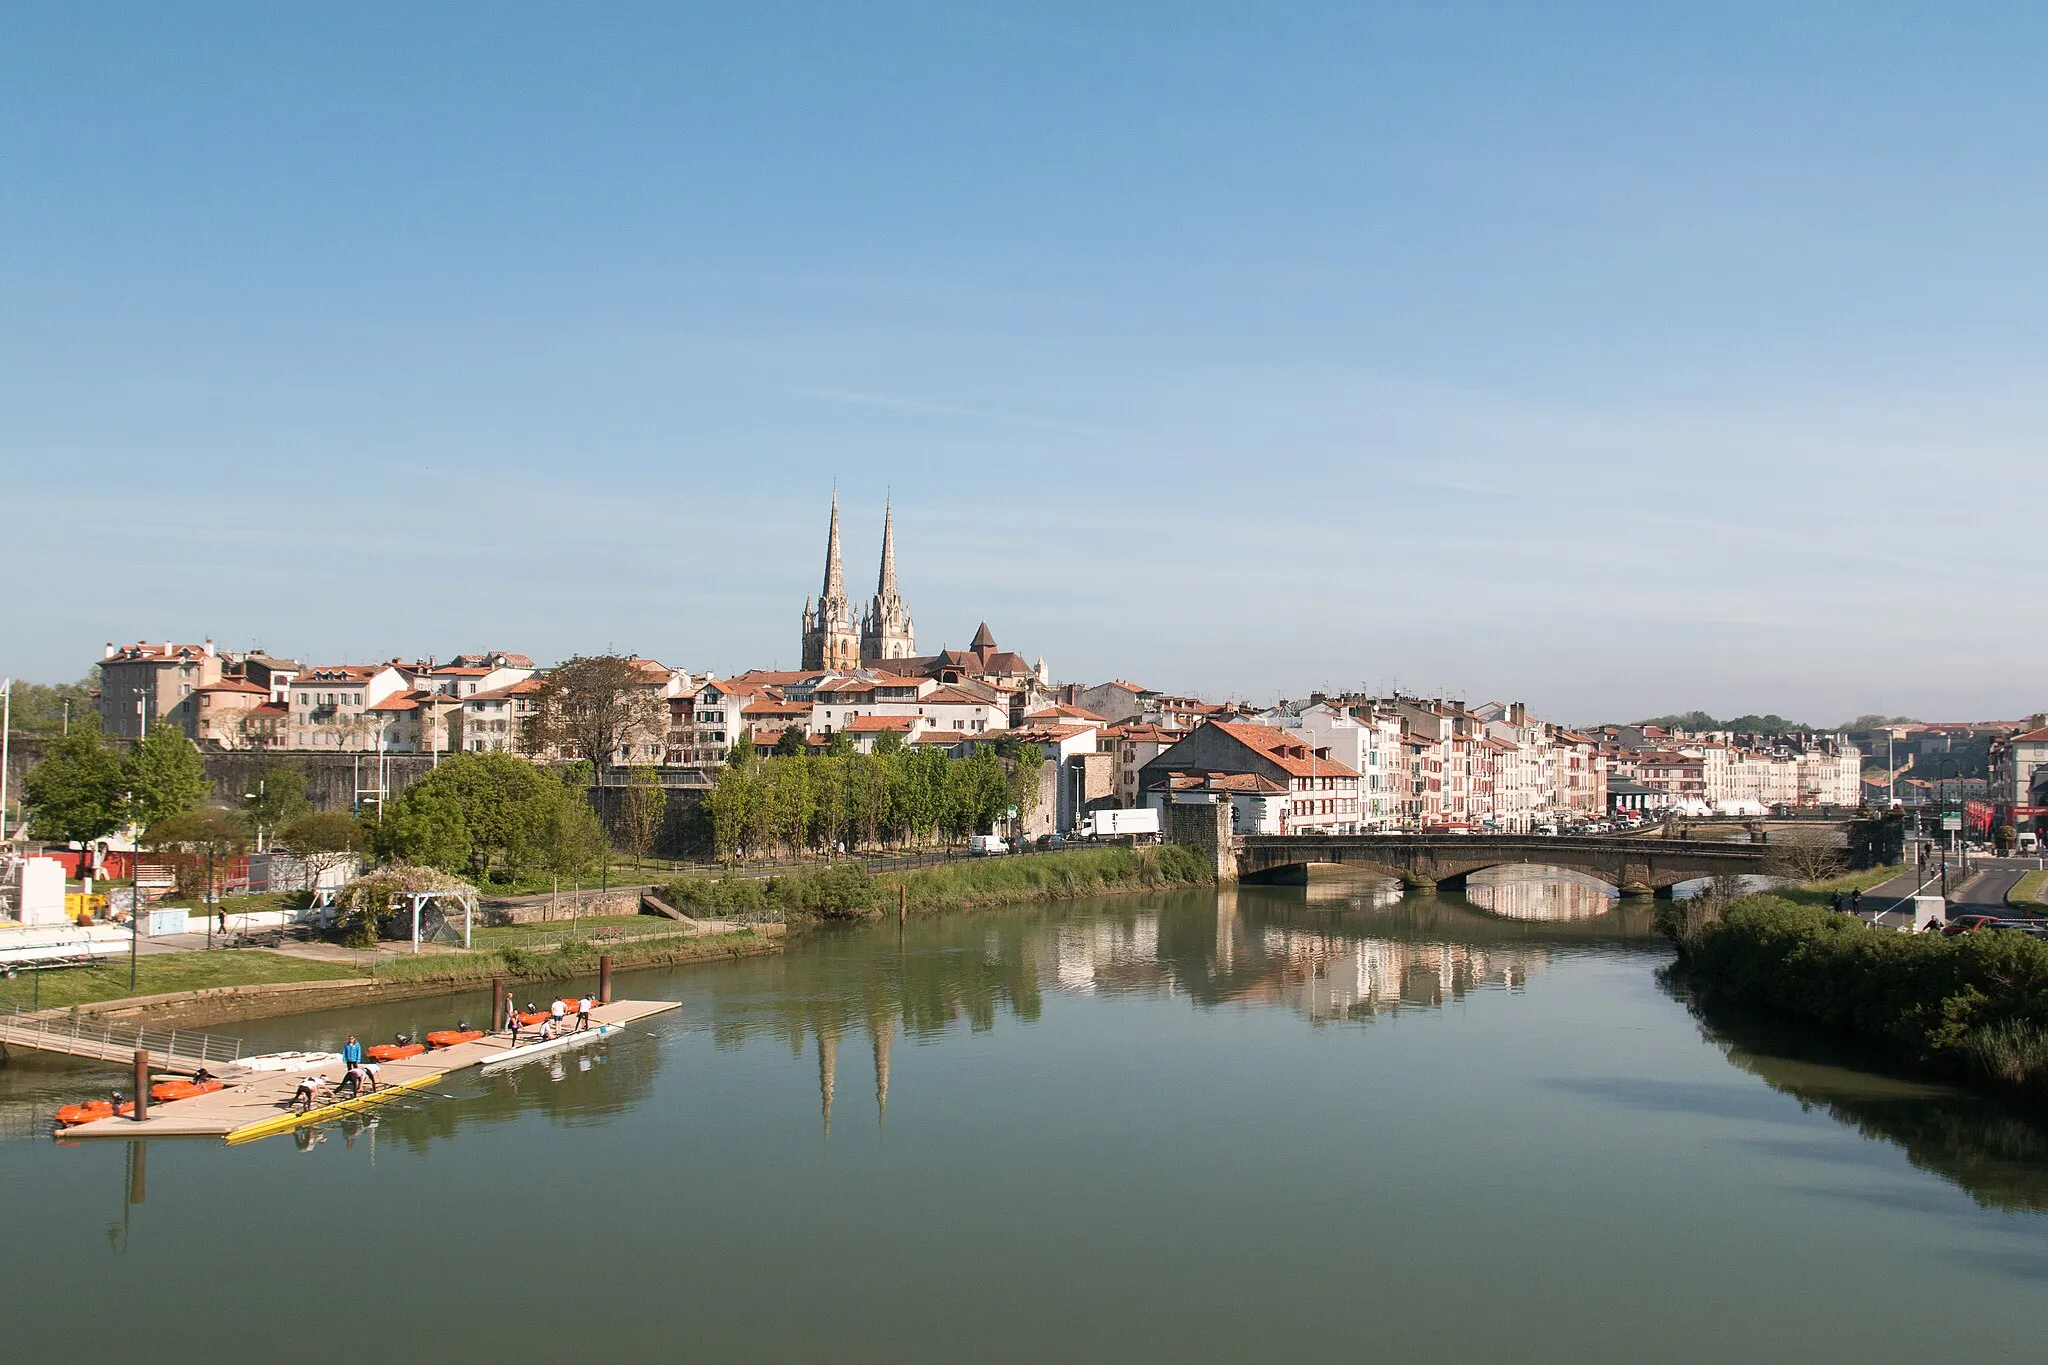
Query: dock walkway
(258, 1103)
(74, 1035)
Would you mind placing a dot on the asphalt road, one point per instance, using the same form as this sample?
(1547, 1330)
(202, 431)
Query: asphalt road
(1985, 892)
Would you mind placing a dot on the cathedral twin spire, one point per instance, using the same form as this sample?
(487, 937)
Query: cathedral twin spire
(832, 639)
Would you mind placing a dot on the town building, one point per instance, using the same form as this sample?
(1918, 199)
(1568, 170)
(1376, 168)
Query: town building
(2017, 762)
(153, 683)
(330, 706)
(1321, 791)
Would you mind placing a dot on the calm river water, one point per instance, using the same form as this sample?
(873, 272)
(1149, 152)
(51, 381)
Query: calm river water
(1262, 1124)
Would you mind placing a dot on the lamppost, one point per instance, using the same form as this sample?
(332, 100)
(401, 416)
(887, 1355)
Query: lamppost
(135, 861)
(6, 728)
(1943, 769)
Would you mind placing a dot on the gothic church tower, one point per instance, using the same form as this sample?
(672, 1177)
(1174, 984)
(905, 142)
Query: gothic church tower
(886, 631)
(831, 639)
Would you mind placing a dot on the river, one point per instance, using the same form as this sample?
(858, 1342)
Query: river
(1326, 1122)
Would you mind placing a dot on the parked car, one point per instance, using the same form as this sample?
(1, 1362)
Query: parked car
(1970, 924)
(986, 845)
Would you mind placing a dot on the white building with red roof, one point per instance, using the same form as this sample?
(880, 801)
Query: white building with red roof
(1321, 791)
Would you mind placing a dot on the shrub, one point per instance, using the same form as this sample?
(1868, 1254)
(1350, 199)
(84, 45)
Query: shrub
(1975, 1005)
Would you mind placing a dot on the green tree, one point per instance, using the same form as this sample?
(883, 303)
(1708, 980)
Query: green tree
(642, 803)
(733, 802)
(790, 743)
(570, 837)
(76, 793)
(164, 775)
(475, 812)
(200, 833)
(42, 709)
(276, 796)
(742, 753)
(1027, 774)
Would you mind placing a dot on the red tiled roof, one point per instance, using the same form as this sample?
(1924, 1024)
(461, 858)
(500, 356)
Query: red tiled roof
(1059, 712)
(1284, 749)
(953, 696)
(874, 724)
(234, 685)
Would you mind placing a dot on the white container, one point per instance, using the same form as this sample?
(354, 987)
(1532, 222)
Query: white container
(169, 921)
(39, 890)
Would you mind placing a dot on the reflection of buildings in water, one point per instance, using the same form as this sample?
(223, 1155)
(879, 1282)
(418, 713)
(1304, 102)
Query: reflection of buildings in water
(1539, 894)
(1111, 955)
(1355, 893)
(1328, 978)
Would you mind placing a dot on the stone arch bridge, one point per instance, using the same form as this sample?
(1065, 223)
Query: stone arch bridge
(1635, 866)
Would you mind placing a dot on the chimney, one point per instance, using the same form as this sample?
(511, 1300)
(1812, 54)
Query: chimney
(108, 652)
(168, 646)
(1518, 713)
(209, 648)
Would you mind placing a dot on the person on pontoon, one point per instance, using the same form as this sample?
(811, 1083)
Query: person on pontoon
(308, 1093)
(583, 1004)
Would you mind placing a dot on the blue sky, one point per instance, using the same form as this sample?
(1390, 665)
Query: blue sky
(1617, 358)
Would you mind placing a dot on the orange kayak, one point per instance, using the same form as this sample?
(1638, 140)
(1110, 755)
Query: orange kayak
(163, 1092)
(392, 1052)
(533, 1019)
(73, 1114)
(449, 1037)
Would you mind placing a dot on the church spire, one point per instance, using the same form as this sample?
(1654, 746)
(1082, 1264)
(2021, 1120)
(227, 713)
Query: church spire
(885, 586)
(835, 577)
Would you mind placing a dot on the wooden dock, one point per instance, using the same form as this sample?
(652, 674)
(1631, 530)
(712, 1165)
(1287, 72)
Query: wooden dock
(257, 1104)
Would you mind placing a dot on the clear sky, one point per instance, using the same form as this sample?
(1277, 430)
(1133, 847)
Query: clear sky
(1617, 358)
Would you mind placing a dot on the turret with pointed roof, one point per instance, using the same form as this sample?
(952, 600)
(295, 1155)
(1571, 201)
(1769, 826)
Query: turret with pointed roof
(886, 631)
(831, 639)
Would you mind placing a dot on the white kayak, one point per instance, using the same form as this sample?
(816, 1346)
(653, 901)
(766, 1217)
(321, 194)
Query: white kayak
(573, 1038)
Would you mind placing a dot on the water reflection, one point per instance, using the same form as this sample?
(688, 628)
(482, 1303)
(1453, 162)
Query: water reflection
(1974, 1142)
(1330, 956)
(1540, 893)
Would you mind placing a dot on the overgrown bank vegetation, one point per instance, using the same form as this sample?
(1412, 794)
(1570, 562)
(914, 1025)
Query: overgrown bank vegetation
(851, 892)
(1973, 1007)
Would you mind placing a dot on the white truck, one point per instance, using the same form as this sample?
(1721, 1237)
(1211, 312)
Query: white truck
(1112, 824)
(986, 845)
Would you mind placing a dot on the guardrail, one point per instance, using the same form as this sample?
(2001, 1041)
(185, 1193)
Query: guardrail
(73, 1036)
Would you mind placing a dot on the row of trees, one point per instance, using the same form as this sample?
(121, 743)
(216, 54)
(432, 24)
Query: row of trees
(897, 795)
(85, 789)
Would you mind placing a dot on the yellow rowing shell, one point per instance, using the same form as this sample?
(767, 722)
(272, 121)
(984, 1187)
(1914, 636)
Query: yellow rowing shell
(284, 1123)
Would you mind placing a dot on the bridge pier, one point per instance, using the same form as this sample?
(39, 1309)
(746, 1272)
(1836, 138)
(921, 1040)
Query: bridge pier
(1206, 826)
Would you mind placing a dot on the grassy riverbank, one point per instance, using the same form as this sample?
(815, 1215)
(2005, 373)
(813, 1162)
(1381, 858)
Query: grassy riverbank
(1972, 1008)
(529, 960)
(851, 892)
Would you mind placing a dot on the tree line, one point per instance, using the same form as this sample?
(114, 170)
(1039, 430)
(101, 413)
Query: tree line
(899, 795)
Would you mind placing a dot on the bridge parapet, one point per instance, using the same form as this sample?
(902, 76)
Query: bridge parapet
(1631, 865)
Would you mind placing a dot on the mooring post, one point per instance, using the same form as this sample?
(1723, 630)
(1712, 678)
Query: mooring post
(141, 1084)
(604, 979)
(497, 1003)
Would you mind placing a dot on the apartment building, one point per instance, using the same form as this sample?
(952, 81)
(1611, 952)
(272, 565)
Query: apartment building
(153, 683)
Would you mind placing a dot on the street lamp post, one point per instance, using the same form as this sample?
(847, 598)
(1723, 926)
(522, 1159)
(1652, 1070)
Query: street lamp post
(6, 728)
(134, 861)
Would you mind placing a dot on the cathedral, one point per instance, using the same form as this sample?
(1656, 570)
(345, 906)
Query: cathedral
(833, 638)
